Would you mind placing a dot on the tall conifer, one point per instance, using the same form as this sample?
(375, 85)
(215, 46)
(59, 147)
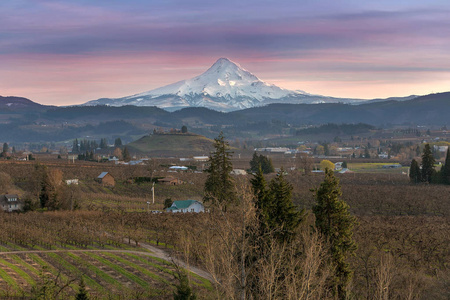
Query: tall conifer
(427, 164)
(283, 216)
(414, 172)
(219, 185)
(335, 223)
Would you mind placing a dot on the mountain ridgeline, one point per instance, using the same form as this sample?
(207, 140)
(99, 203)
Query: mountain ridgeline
(56, 124)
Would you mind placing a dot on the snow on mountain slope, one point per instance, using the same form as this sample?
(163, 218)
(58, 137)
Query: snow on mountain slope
(225, 86)
(224, 79)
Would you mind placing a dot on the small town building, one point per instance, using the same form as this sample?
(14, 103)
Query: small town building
(185, 206)
(178, 168)
(106, 179)
(393, 166)
(10, 202)
(72, 181)
(170, 181)
(238, 172)
(201, 158)
(440, 148)
(383, 155)
(338, 165)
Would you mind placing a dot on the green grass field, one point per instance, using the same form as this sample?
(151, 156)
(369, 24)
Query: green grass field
(376, 168)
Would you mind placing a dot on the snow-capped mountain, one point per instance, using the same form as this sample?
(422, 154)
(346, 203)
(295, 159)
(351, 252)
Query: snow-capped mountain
(225, 86)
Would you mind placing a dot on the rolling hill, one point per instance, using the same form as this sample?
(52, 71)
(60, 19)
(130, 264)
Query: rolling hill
(172, 144)
(20, 104)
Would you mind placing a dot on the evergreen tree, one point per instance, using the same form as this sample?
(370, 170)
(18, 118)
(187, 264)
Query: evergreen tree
(5, 148)
(282, 215)
(366, 153)
(255, 163)
(168, 203)
(126, 154)
(326, 150)
(83, 145)
(184, 291)
(103, 143)
(334, 222)
(262, 197)
(261, 161)
(445, 170)
(427, 164)
(13, 150)
(414, 172)
(219, 185)
(344, 165)
(117, 142)
(75, 146)
(82, 293)
(277, 213)
(184, 129)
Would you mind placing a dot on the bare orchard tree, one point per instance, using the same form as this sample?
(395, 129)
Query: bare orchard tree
(152, 166)
(384, 277)
(228, 247)
(304, 162)
(232, 255)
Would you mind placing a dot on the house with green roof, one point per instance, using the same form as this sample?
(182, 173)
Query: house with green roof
(185, 206)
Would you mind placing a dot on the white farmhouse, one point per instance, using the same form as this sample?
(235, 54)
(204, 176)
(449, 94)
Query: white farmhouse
(186, 206)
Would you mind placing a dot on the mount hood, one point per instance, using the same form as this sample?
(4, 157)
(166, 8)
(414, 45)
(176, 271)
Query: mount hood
(225, 86)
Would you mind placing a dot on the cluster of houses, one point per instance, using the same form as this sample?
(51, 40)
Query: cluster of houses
(12, 202)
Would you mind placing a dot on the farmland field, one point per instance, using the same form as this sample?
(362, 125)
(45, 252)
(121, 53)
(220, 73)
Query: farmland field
(114, 244)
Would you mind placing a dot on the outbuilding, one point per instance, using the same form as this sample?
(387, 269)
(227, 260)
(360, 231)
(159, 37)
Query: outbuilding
(106, 179)
(170, 181)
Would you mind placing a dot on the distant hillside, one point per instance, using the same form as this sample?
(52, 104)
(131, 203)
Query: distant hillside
(433, 109)
(36, 123)
(14, 104)
(172, 144)
(102, 112)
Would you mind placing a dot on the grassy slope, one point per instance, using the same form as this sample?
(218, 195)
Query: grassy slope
(173, 143)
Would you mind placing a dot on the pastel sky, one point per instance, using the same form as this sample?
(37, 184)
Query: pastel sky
(70, 52)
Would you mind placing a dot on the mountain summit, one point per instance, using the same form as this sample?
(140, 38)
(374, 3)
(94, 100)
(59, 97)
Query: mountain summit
(225, 82)
(225, 86)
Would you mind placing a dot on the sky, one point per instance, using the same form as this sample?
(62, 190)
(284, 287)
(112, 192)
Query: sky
(70, 52)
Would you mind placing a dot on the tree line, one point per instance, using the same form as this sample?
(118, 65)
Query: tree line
(426, 172)
(85, 145)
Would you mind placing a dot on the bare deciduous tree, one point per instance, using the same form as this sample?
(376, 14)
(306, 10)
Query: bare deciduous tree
(304, 162)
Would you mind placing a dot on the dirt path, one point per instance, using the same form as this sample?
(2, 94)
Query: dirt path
(155, 252)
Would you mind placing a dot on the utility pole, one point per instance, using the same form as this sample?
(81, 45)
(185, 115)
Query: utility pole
(153, 193)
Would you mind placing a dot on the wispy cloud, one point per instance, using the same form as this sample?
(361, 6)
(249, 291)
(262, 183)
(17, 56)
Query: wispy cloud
(307, 39)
